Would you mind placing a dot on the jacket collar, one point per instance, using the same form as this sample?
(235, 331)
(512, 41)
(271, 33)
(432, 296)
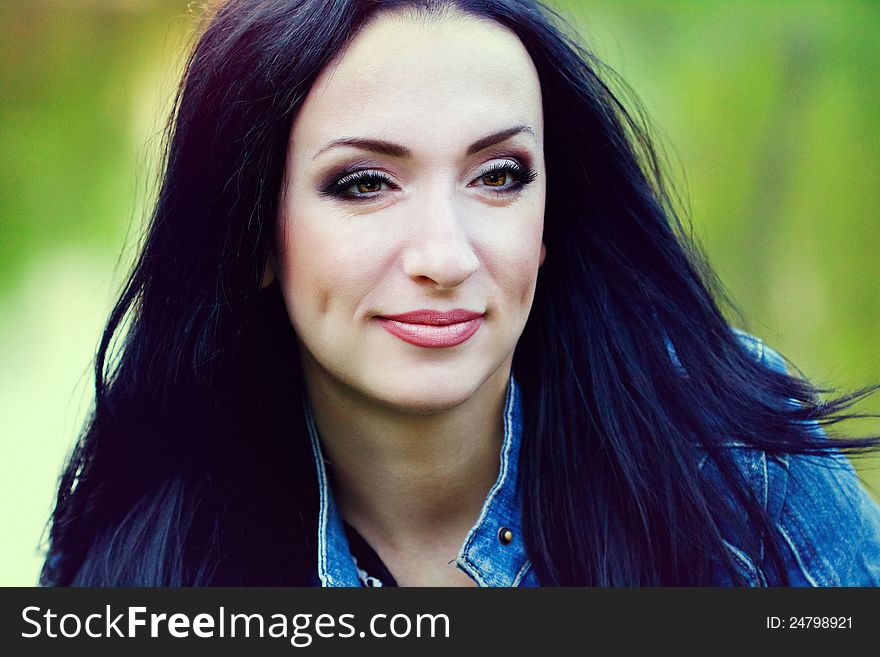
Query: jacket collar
(486, 554)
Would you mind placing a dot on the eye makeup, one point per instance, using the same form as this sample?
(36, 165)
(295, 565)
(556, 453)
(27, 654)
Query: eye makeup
(353, 186)
(503, 177)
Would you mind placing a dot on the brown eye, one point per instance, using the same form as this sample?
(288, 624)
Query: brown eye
(359, 186)
(495, 179)
(369, 186)
(503, 177)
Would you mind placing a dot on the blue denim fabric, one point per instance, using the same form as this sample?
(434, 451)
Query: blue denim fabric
(830, 525)
(827, 520)
(482, 556)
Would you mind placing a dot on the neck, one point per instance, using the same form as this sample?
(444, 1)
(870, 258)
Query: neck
(410, 482)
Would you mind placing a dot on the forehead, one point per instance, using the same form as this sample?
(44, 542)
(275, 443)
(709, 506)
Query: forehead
(423, 81)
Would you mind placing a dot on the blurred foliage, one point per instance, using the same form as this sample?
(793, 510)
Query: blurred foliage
(73, 75)
(770, 111)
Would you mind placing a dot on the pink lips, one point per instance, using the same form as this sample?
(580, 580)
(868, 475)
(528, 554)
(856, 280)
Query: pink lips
(433, 328)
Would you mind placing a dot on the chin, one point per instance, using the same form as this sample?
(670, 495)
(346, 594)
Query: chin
(424, 401)
(424, 397)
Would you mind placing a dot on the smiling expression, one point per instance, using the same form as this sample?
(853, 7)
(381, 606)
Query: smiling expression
(409, 230)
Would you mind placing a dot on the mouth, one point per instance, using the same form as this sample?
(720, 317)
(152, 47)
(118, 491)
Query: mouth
(433, 329)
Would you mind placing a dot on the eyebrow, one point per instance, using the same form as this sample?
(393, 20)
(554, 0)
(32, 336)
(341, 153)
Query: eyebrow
(396, 150)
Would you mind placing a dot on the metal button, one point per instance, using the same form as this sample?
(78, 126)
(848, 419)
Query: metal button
(505, 536)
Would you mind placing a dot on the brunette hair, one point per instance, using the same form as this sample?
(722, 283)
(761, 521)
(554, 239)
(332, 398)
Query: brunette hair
(194, 468)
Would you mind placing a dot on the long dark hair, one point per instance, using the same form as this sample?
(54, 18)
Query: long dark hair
(194, 468)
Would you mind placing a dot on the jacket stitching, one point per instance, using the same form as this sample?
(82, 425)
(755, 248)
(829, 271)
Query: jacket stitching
(326, 580)
(797, 556)
(766, 498)
(743, 560)
(522, 573)
(471, 568)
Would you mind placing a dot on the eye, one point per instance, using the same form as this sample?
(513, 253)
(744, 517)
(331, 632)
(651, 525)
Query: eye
(367, 186)
(359, 185)
(496, 179)
(504, 177)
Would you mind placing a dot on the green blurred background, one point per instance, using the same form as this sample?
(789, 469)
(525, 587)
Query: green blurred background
(770, 111)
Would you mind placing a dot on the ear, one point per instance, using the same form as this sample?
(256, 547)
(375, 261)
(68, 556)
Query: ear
(543, 254)
(268, 274)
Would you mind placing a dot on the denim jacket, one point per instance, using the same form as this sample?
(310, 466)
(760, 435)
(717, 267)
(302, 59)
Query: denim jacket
(830, 526)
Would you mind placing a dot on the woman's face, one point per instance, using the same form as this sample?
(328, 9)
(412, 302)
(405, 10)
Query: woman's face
(409, 231)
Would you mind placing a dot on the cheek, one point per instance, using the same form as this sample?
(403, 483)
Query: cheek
(512, 256)
(304, 275)
(326, 266)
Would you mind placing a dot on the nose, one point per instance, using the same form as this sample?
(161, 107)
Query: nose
(440, 253)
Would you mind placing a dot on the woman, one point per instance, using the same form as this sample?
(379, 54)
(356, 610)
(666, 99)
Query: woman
(414, 308)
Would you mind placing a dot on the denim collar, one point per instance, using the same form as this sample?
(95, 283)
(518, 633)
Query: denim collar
(485, 555)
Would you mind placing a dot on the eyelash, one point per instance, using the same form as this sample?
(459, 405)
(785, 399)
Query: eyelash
(522, 176)
(338, 188)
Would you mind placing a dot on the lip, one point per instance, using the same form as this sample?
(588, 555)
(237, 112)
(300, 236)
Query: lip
(433, 329)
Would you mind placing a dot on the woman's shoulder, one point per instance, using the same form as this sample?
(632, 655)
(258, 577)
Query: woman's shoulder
(828, 524)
